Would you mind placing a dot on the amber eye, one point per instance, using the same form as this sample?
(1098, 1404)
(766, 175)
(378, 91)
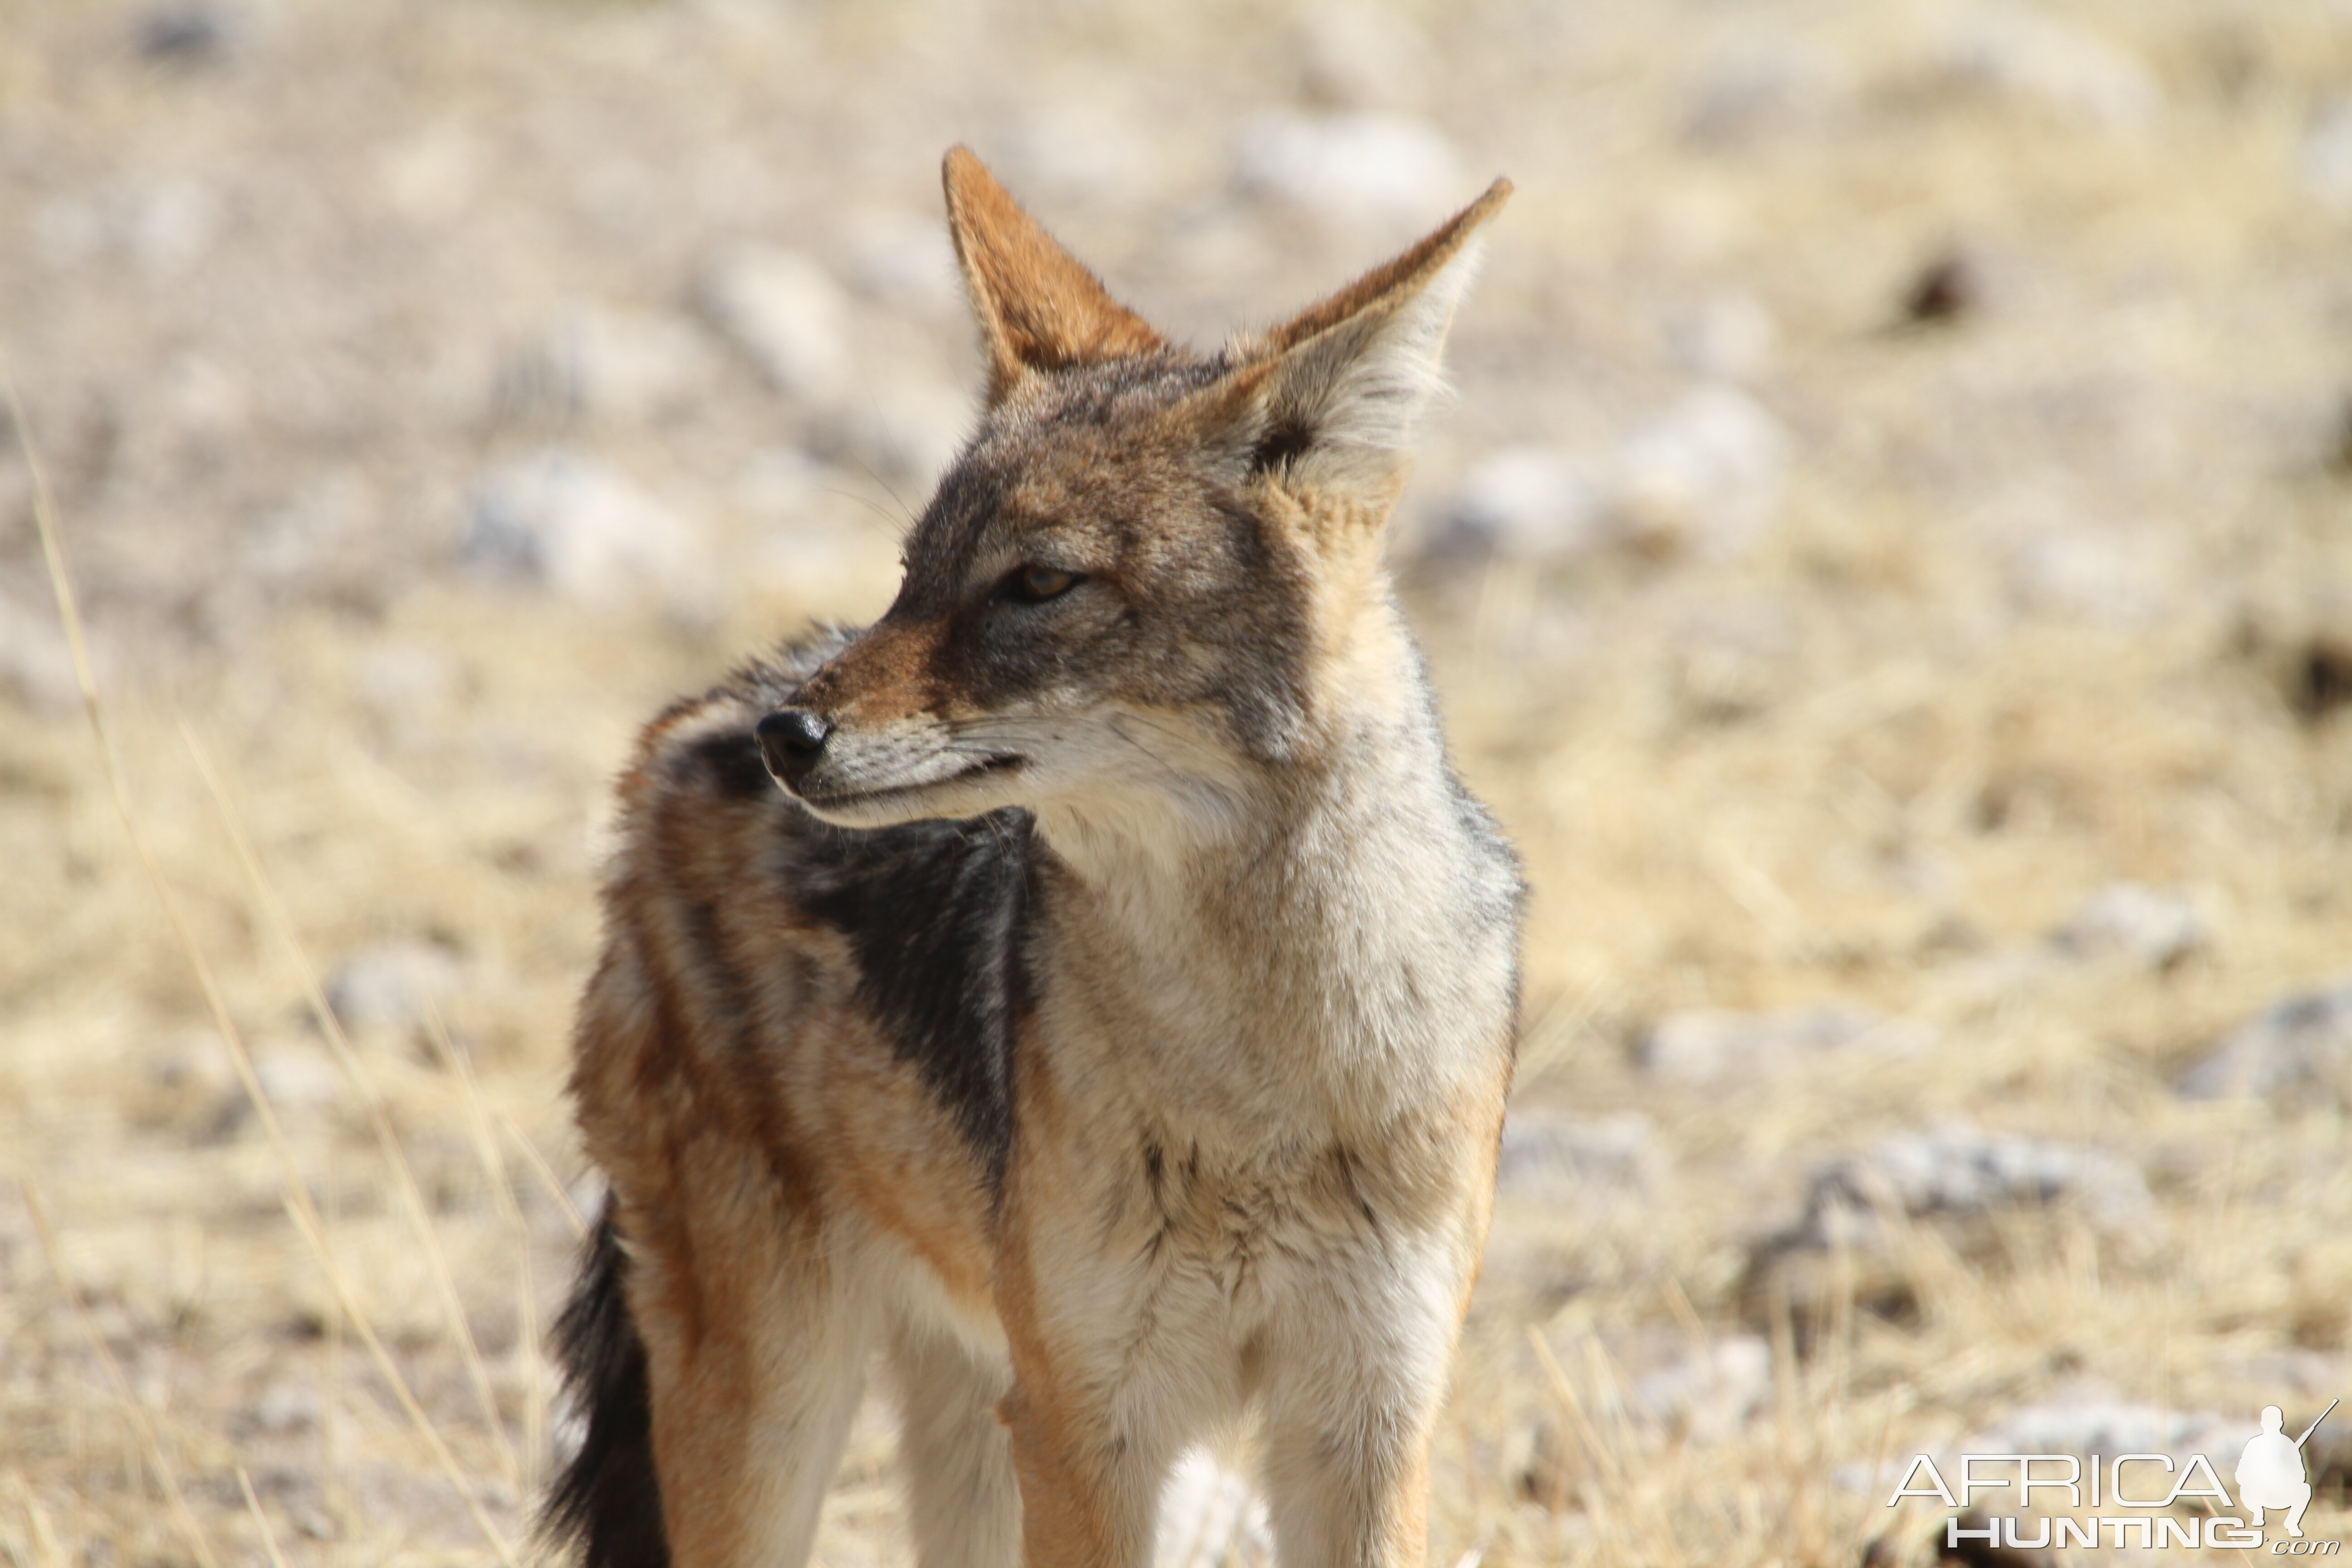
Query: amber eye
(1035, 584)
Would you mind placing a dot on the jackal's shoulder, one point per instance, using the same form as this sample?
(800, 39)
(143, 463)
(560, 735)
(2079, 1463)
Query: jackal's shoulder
(741, 922)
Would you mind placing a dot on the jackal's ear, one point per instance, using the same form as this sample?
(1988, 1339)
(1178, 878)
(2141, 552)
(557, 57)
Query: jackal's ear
(1329, 397)
(1039, 308)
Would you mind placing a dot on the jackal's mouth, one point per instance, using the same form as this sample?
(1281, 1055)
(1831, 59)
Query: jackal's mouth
(1002, 762)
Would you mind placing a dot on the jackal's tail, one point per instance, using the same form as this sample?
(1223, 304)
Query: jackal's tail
(604, 1510)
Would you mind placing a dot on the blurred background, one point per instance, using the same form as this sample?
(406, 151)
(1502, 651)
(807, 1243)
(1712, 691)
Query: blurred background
(1889, 562)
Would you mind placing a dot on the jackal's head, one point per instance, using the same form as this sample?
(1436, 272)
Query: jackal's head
(1151, 576)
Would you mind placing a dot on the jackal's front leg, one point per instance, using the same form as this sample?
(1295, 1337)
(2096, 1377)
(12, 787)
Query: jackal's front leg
(1355, 1372)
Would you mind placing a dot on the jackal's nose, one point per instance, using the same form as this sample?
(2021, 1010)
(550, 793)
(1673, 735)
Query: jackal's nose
(792, 739)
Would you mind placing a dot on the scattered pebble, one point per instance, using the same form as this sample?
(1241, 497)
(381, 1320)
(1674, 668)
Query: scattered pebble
(292, 1078)
(2296, 1047)
(565, 522)
(784, 312)
(1546, 1157)
(2033, 58)
(1526, 503)
(2319, 679)
(188, 34)
(1948, 286)
(1708, 1395)
(2104, 576)
(901, 431)
(2102, 1423)
(165, 228)
(2324, 157)
(1727, 337)
(393, 985)
(1076, 152)
(1759, 86)
(600, 364)
(1704, 478)
(2149, 926)
(35, 664)
(1702, 1046)
(902, 259)
(1359, 58)
(1971, 1187)
(396, 680)
(1350, 163)
(286, 1407)
(1961, 1173)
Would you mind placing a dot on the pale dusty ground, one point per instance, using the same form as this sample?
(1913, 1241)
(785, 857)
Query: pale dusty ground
(2047, 596)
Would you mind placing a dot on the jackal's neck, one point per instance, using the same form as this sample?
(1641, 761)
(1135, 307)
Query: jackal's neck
(1350, 915)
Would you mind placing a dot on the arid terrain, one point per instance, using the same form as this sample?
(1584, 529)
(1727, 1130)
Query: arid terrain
(1888, 561)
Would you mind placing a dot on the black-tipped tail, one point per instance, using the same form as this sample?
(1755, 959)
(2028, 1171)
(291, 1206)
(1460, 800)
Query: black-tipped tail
(604, 1510)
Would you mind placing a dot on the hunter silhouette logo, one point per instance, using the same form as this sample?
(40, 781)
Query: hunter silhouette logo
(2270, 1476)
(2270, 1471)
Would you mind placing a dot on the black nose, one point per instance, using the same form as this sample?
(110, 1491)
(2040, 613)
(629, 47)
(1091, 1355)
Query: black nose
(792, 739)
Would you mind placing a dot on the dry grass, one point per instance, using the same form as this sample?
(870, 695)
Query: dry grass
(268, 1291)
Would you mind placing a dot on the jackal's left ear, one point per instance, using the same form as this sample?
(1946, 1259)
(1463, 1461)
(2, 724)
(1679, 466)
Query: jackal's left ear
(1039, 308)
(1330, 398)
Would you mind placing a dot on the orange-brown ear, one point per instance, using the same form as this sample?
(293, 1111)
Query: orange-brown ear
(1329, 397)
(1039, 309)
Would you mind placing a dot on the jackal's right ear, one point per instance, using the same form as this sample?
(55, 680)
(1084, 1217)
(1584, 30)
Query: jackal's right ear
(1329, 399)
(1039, 308)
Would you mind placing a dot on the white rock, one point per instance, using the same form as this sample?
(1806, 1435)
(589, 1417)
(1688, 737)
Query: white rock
(286, 1407)
(294, 1078)
(1211, 1517)
(2145, 925)
(1960, 1173)
(566, 522)
(1708, 1044)
(400, 678)
(1727, 337)
(1705, 478)
(905, 430)
(1077, 151)
(779, 484)
(2296, 1046)
(2324, 157)
(393, 985)
(1360, 56)
(2104, 575)
(783, 311)
(1758, 85)
(2038, 60)
(1347, 162)
(35, 662)
(196, 1062)
(1526, 503)
(2101, 1423)
(1546, 1157)
(1708, 1395)
(165, 228)
(604, 363)
(902, 259)
(836, 559)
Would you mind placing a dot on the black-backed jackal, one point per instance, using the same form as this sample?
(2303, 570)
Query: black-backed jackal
(1109, 1018)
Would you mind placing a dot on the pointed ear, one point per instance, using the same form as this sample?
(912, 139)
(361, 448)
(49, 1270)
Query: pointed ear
(1039, 309)
(1330, 398)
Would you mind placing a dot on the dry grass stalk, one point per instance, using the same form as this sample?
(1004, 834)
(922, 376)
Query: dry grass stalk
(296, 1196)
(411, 1197)
(150, 1442)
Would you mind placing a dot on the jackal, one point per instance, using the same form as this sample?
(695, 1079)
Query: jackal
(1109, 1018)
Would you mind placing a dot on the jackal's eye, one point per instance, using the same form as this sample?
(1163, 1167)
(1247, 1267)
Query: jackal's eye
(1035, 584)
